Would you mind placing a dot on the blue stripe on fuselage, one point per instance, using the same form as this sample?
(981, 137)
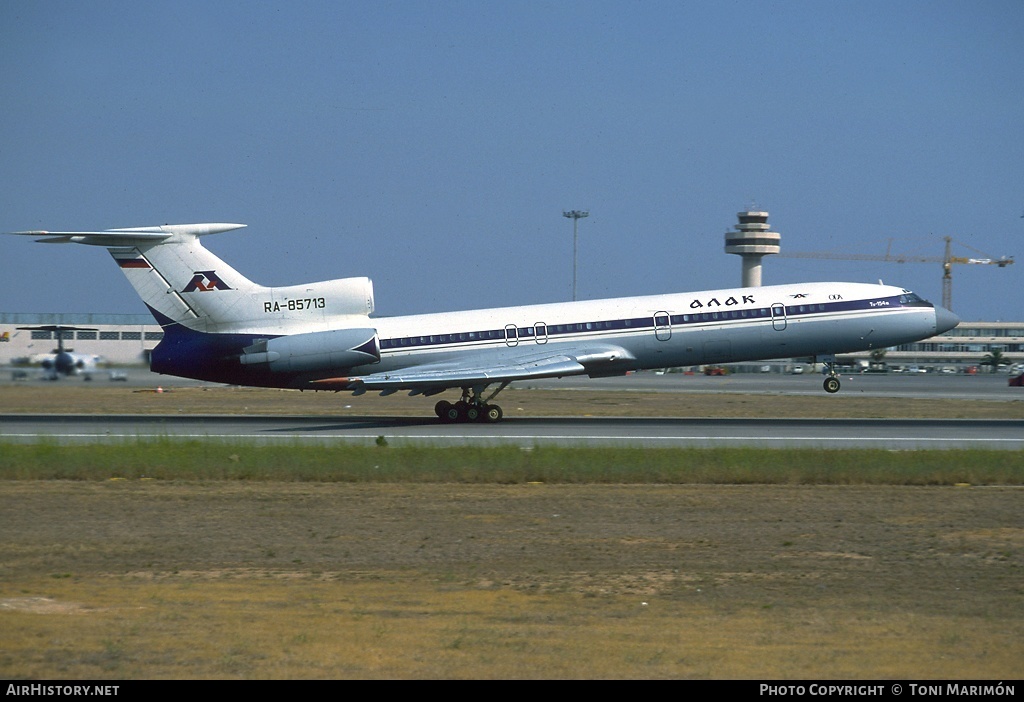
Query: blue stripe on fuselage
(717, 315)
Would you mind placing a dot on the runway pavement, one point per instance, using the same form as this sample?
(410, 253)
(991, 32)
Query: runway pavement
(583, 431)
(590, 431)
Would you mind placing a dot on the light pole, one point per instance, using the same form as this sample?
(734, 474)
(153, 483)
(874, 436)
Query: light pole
(575, 216)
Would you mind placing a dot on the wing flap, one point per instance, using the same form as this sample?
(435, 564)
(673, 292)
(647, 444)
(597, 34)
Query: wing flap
(430, 379)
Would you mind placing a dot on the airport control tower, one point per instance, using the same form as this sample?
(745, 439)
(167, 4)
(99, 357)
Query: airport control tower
(752, 241)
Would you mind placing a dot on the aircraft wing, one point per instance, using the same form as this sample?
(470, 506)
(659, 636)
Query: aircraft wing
(432, 378)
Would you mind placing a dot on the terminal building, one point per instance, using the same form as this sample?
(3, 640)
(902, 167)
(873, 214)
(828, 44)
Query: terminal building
(964, 346)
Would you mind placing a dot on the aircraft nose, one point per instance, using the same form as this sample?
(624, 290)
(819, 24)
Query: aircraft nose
(944, 320)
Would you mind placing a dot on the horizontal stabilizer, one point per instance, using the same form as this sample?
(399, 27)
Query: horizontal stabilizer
(131, 235)
(57, 328)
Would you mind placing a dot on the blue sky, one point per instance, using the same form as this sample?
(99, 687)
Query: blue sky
(434, 145)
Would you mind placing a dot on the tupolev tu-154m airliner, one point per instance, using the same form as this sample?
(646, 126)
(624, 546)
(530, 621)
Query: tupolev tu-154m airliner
(221, 327)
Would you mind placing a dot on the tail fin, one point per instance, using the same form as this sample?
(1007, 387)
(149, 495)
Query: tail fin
(181, 281)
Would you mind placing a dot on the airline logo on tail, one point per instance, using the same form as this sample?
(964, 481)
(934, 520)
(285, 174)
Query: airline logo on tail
(205, 281)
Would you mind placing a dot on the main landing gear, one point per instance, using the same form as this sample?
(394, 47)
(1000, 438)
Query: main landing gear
(471, 408)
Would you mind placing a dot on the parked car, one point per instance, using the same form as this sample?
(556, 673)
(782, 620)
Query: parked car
(1017, 381)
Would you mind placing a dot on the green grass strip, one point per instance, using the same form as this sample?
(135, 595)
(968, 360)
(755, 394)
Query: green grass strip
(202, 460)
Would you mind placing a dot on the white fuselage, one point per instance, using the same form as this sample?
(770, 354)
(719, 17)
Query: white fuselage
(663, 330)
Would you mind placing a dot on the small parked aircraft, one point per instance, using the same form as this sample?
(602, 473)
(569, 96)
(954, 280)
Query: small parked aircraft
(63, 361)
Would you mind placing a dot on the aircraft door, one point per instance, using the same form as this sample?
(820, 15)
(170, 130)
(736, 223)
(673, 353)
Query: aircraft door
(511, 335)
(662, 326)
(778, 316)
(541, 335)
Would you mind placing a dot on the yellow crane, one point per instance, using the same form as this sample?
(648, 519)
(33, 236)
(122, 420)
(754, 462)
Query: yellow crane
(947, 261)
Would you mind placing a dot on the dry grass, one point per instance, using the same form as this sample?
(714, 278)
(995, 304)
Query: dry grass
(392, 627)
(137, 579)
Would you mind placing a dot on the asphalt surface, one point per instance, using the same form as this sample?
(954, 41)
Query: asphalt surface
(581, 431)
(589, 431)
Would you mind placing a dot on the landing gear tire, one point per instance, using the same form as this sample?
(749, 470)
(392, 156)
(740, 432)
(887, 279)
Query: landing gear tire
(831, 384)
(473, 407)
(441, 409)
(460, 412)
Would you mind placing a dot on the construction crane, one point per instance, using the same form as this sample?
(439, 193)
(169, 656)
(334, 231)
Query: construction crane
(947, 261)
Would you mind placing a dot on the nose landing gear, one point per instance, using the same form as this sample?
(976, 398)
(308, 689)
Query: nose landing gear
(831, 383)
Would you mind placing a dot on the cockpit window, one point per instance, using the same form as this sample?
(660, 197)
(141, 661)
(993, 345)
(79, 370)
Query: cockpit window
(909, 298)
